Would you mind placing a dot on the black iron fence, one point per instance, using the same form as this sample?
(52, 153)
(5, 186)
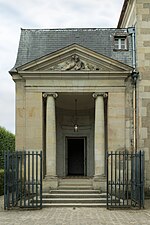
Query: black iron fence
(23, 179)
(125, 179)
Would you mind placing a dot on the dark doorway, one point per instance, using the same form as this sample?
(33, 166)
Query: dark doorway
(76, 156)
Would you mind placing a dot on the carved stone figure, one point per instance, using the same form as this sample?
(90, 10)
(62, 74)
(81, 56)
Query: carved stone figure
(75, 63)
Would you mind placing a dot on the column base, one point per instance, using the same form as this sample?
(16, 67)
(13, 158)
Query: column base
(100, 183)
(50, 183)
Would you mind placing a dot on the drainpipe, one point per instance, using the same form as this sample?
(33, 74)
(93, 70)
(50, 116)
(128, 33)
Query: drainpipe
(134, 76)
(131, 31)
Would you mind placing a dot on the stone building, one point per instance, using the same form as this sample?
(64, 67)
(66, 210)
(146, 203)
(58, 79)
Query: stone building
(136, 13)
(76, 95)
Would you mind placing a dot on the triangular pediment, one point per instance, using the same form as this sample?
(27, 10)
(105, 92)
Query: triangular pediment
(75, 58)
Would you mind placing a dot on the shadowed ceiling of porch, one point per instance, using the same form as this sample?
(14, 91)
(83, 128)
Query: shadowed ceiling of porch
(67, 101)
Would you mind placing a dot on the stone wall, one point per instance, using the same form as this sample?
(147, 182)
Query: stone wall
(20, 115)
(143, 65)
(138, 14)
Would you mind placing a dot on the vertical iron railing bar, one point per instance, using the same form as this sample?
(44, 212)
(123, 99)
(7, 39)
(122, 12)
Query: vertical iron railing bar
(16, 178)
(136, 178)
(142, 177)
(115, 178)
(12, 179)
(132, 179)
(127, 178)
(123, 178)
(14, 174)
(37, 156)
(16, 183)
(41, 169)
(5, 181)
(21, 183)
(8, 179)
(107, 180)
(20, 178)
(32, 178)
(139, 181)
(119, 179)
(111, 183)
(25, 179)
(28, 178)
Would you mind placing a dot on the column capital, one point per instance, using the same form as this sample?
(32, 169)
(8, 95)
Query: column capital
(53, 94)
(102, 94)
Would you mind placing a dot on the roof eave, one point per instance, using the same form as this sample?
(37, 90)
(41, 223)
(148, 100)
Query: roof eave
(122, 13)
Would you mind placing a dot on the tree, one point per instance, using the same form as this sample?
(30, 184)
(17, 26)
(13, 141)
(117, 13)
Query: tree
(7, 143)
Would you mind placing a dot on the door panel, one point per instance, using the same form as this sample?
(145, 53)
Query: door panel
(76, 156)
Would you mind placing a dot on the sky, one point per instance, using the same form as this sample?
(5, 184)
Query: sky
(17, 14)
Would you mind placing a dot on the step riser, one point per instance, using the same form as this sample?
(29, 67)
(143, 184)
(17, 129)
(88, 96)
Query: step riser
(75, 184)
(73, 196)
(74, 205)
(77, 181)
(74, 192)
(75, 188)
(73, 201)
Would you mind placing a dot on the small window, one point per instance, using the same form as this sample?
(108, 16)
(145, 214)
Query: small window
(120, 43)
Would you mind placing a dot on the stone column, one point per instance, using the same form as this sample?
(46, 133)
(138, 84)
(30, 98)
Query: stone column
(99, 148)
(50, 135)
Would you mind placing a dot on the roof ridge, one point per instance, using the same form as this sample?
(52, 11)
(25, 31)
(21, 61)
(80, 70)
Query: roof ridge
(70, 29)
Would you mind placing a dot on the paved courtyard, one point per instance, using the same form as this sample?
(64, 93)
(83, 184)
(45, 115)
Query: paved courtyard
(75, 216)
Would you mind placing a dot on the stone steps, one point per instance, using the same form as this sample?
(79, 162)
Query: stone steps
(74, 198)
(73, 205)
(72, 187)
(74, 193)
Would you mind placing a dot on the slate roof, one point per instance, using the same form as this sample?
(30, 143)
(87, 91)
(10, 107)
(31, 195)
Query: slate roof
(35, 43)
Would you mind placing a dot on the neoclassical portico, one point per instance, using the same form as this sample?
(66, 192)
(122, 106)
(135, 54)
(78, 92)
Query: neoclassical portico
(99, 148)
(47, 91)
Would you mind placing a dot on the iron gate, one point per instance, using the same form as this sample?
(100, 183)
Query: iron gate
(125, 179)
(23, 179)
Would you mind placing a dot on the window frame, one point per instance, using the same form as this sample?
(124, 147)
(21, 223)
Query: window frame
(118, 46)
